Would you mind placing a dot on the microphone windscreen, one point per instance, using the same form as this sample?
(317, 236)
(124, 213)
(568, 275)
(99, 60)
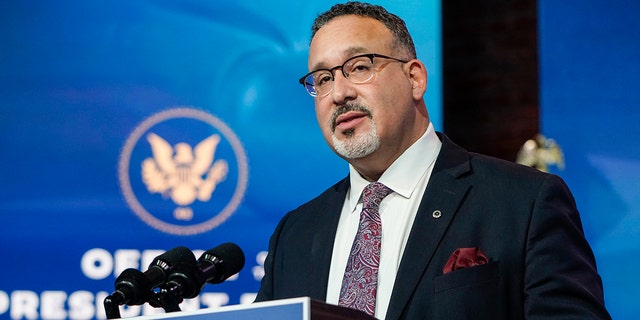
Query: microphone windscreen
(232, 259)
(174, 256)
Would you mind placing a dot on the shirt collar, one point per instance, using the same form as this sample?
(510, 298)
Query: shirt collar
(405, 173)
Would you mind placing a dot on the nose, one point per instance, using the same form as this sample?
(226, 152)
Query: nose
(343, 89)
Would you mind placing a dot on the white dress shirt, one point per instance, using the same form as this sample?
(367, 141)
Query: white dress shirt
(407, 177)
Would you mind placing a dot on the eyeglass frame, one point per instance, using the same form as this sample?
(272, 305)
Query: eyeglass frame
(341, 67)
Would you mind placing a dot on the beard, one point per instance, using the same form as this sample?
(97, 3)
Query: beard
(355, 146)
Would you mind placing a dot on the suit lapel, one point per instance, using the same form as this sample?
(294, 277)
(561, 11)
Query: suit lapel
(323, 239)
(439, 204)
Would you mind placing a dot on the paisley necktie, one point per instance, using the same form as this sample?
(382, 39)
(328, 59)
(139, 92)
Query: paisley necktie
(360, 282)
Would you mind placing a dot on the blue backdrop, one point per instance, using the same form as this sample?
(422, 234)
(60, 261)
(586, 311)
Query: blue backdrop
(95, 96)
(589, 103)
(86, 85)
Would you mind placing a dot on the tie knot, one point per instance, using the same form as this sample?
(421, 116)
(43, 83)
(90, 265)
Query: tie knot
(373, 194)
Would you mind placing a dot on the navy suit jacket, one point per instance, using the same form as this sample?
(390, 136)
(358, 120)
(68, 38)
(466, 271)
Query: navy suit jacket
(525, 221)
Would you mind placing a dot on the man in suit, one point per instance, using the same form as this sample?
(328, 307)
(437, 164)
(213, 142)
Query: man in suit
(464, 236)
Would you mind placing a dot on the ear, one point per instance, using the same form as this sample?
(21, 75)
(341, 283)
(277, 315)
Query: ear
(418, 78)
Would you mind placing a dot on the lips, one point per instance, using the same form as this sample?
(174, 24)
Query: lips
(349, 120)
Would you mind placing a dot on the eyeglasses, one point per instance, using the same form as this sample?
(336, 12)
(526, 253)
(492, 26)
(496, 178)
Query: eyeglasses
(358, 69)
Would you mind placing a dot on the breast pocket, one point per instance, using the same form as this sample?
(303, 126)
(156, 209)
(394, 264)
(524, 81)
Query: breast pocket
(477, 275)
(470, 293)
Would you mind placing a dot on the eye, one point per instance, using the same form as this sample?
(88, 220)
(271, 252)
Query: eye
(360, 66)
(322, 78)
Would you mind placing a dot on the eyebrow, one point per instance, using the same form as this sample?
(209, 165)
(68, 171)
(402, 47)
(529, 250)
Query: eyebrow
(350, 52)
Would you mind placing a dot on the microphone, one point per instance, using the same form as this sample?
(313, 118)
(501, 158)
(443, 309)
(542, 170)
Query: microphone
(214, 266)
(133, 287)
(221, 262)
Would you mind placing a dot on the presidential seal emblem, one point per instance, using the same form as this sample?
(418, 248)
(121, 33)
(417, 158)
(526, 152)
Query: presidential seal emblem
(183, 171)
(541, 153)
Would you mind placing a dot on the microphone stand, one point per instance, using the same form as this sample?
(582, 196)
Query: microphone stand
(168, 300)
(111, 307)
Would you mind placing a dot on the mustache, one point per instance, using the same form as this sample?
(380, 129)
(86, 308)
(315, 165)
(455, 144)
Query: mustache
(342, 109)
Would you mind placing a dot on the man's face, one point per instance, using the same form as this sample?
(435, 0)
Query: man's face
(360, 120)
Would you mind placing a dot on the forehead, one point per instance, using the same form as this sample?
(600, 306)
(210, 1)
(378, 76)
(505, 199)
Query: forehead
(346, 36)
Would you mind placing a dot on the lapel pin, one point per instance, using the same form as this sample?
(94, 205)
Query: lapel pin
(436, 214)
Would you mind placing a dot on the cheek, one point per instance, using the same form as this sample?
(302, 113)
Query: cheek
(322, 116)
(391, 109)
(325, 128)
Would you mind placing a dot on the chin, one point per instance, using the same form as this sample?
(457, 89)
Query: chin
(356, 146)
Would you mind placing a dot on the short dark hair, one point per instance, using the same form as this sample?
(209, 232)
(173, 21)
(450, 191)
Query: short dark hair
(395, 24)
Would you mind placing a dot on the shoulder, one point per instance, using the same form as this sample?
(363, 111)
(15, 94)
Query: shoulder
(328, 198)
(489, 166)
(492, 173)
(326, 202)
(459, 162)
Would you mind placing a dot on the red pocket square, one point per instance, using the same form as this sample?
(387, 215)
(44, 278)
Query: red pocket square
(464, 258)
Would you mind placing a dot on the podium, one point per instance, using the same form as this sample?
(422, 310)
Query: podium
(303, 308)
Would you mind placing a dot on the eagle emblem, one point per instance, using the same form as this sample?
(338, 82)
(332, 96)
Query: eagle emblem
(540, 153)
(183, 173)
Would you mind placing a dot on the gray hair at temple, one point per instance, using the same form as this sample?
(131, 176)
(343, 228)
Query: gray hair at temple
(394, 23)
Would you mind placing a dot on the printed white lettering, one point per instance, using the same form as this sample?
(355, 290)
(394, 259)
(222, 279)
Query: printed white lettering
(97, 264)
(101, 314)
(214, 299)
(52, 305)
(81, 305)
(149, 310)
(247, 298)
(190, 304)
(126, 258)
(24, 304)
(258, 271)
(149, 255)
(4, 302)
(130, 311)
